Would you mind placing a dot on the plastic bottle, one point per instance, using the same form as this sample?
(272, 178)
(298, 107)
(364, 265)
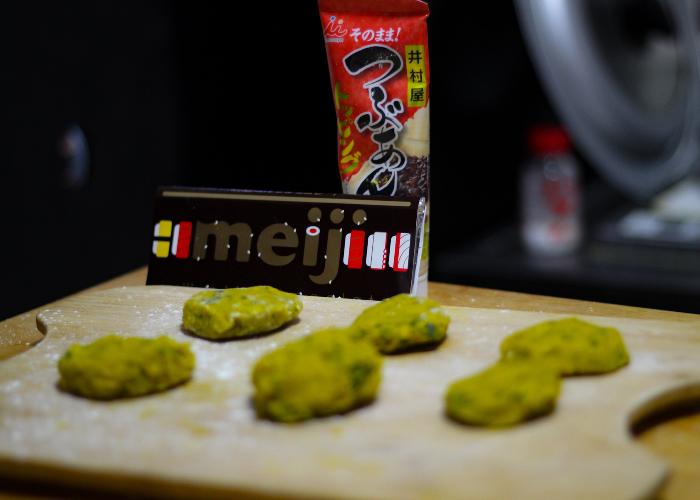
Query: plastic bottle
(550, 205)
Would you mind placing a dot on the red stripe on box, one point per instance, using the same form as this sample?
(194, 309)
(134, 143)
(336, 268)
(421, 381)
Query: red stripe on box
(183, 241)
(357, 249)
(397, 245)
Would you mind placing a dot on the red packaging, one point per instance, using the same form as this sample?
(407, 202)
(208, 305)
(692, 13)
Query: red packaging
(380, 75)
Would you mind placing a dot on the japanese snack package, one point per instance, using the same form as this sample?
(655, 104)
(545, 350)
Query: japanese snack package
(378, 60)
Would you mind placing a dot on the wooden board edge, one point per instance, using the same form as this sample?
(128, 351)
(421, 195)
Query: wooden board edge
(26, 475)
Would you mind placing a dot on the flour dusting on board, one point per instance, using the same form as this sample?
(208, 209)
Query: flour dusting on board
(206, 432)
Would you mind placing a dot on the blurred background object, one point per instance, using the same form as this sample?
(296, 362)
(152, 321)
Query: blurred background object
(624, 78)
(106, 100)
(550, 195)
(89, 127)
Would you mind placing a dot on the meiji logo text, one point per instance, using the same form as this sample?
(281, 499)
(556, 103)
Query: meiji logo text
(278, 244)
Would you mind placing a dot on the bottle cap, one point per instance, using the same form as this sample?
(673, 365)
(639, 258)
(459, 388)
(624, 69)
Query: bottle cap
(548, 139)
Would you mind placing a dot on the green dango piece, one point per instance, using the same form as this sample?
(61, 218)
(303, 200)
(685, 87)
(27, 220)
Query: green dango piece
(325, 373)
(239, 312)
(571, 346)
(121, 367)
(402, 323)
(503, 395)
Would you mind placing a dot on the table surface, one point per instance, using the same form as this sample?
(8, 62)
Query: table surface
(675, 436)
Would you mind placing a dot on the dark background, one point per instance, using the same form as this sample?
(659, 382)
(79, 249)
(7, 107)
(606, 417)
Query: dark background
(197, 94)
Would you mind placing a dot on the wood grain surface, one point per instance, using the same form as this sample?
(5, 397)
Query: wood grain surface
(205, 439)
(676, 440)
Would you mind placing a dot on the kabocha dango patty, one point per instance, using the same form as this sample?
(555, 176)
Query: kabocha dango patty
(239, 312)
(325, 373)
(402, 323)
(119, 367)
(503, 395)
(571, 346)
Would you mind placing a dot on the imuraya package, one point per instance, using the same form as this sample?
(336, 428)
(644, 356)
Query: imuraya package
(380, 75)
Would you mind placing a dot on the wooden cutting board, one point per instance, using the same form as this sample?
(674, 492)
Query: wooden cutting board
(203, 438)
